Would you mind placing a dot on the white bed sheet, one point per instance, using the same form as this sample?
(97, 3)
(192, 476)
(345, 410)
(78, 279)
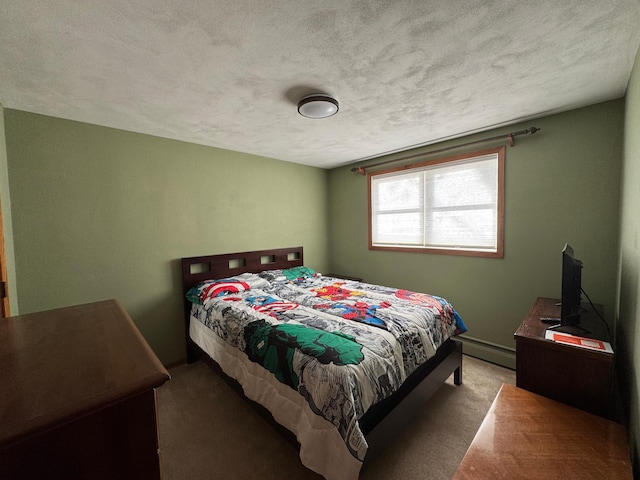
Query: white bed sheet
(321, 447)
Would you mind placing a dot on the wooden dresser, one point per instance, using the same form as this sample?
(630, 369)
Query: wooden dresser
(528, 436)
(572, 375)
(77, 398)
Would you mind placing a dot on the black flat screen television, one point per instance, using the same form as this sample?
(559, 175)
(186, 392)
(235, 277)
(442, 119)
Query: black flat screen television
(571, 296)
(571, 287)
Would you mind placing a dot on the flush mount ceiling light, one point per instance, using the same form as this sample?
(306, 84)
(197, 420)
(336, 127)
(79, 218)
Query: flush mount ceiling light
(317, 105)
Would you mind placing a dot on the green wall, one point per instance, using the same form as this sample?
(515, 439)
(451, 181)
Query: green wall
(562, 186)
(103, 213)
(628, 335)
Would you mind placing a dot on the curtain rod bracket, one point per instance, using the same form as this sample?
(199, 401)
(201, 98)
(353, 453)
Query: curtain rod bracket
(527, 131)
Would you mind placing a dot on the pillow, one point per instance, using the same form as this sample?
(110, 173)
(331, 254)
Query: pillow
(298, 272)
(288, 275)
(253, 280)
(273, 276)
(215, 288)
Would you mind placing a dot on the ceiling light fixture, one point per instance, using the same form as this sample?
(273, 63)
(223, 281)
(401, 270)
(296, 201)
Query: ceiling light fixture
(318, 105)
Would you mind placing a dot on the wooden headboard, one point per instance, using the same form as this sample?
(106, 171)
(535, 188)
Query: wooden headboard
(197, 269)
(207, 267)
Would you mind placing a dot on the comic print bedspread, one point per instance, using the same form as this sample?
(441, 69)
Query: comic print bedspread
(342, 345)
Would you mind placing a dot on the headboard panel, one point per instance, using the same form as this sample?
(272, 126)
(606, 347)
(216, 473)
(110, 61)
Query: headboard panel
(197, 269)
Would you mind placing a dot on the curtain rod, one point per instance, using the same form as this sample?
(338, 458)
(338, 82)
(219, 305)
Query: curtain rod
(508, 136)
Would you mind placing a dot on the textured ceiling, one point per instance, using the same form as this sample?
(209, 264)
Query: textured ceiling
(229, 73)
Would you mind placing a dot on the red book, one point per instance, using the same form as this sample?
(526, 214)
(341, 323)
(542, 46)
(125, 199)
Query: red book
(582, 342)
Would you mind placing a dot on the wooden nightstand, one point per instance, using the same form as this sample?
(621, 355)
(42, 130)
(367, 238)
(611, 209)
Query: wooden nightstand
(572, 375)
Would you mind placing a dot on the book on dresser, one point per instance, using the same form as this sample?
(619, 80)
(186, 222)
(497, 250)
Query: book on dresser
(576, 341)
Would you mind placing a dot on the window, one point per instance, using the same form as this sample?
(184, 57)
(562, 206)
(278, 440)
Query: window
(453, 205)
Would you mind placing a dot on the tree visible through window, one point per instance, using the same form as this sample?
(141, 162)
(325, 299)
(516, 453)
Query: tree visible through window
(453, 205)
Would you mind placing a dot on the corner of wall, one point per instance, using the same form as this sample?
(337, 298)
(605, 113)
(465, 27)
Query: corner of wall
(7, 224)
(628, 288)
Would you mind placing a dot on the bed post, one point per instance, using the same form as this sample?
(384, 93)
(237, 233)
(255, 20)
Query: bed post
(457, 375)
(192, 349)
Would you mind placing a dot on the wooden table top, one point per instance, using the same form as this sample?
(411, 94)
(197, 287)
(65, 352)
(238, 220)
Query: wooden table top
(60, 364)
(533, 328)
(527, 436)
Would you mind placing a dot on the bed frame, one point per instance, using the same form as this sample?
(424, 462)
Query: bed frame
(384, 421)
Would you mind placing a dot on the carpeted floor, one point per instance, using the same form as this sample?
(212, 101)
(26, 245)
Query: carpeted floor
(208, 432)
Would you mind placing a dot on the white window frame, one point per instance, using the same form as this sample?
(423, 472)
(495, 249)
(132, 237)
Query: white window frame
(495, 250)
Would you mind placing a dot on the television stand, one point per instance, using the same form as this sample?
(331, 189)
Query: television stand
(576, 376)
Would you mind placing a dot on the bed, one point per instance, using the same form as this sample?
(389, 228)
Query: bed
(340, 364)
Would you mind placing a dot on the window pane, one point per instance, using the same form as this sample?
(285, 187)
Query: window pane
(466, 184)
(400, 193)
(463, 228)
(399, 228)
